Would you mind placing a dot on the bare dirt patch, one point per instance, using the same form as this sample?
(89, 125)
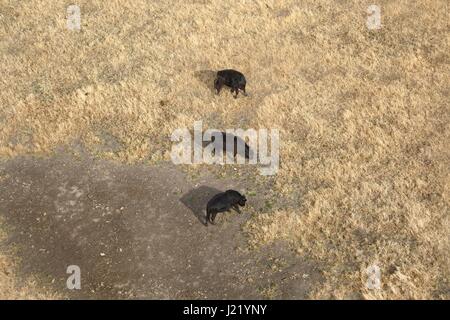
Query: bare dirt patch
(137, 232)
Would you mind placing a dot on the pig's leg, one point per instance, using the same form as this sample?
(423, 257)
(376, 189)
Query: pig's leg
(218, 84)
(243, 90)
(213, 217)
(236, 207)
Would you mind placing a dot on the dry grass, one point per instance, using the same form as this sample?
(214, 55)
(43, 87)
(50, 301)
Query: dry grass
(363, 115)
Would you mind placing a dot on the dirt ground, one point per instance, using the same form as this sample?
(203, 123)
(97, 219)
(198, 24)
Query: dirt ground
(134, 235)
(363, 115)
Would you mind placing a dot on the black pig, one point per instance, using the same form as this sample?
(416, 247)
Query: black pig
(231, 78)
(222, 202)
(226, 137)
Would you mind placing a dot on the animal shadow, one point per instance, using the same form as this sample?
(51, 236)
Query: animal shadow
(207, 77)
(196, 200)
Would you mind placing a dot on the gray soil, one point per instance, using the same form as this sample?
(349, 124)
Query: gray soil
(138, 232)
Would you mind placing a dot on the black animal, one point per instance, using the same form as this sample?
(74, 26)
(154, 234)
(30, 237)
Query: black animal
(231, 78)
(227, 137)
(222, 202)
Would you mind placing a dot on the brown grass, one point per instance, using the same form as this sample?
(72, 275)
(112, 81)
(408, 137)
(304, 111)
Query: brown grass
(363, 115)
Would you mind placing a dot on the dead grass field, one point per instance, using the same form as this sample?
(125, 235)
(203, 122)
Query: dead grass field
(363, 115)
